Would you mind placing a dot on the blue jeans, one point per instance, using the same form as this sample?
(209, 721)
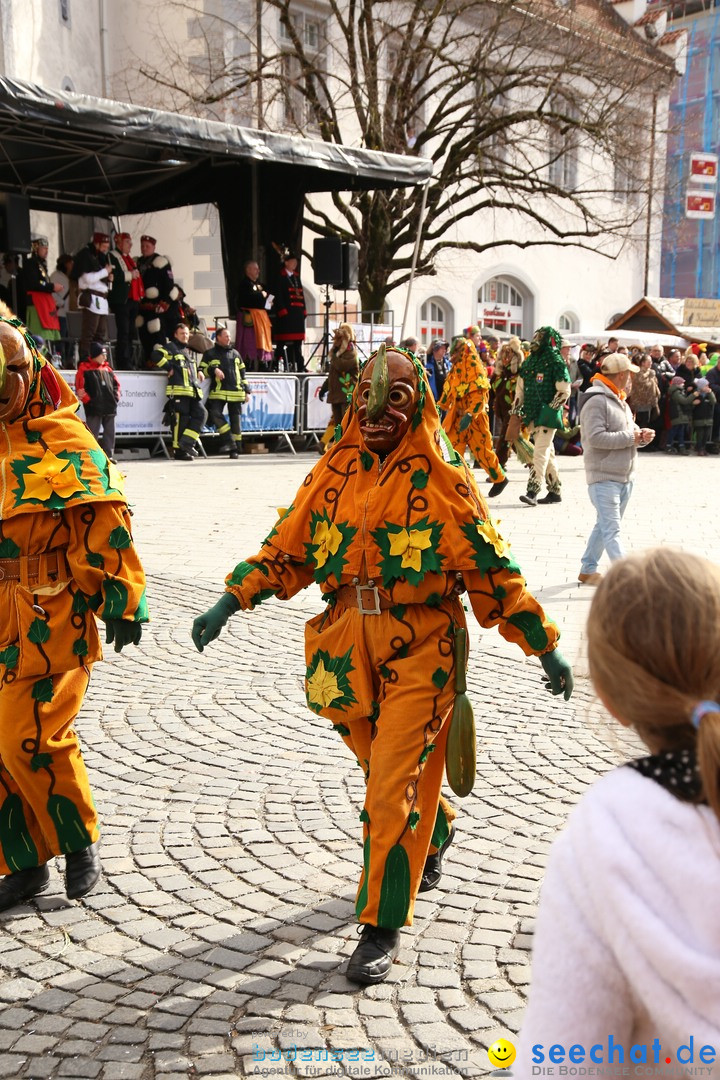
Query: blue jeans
(677, 435)
(609, 499)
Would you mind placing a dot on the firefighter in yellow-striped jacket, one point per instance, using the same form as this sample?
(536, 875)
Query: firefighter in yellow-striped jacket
(225, 368)
(184, 392)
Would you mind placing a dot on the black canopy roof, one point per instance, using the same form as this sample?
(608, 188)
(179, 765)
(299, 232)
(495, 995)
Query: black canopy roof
(72, 153)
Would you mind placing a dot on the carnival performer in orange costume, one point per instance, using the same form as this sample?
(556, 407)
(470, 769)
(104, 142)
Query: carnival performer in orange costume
(66, 555)
(464, 400)
(390, 524)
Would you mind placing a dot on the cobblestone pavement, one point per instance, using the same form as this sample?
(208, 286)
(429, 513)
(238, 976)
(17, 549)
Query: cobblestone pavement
(231, 836)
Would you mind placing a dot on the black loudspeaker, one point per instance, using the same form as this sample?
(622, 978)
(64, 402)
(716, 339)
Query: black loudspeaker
(14, 223)
(328, 261)
(350, 266)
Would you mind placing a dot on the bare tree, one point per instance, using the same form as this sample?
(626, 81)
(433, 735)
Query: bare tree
(535, 113)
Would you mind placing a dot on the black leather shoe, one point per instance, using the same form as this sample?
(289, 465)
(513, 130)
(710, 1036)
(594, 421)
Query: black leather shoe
(183, 455)
(373, 957)
(14, 888)
(551, 497)
(82, 871)
(432, 871)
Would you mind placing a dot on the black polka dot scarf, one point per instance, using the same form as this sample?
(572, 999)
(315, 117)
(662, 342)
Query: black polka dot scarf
(675, 770)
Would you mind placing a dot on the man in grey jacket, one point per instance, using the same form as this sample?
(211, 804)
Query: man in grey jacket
(609, 437)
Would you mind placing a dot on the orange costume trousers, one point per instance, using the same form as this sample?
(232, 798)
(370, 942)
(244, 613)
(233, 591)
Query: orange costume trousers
(478, 438)
(406, 667)
(47, 808)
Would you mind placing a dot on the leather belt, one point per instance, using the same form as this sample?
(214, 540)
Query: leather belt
(366, 598)
(48, 564)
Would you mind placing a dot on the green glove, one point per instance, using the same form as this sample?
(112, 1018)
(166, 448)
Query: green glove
(122, 632)
(465, 421)
(559, 673)
(208, 626)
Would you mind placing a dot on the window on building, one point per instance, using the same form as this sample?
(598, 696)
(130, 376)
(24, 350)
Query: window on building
(495, 147)
(568, 323)
(563, 147)
(65, 12)
(415, 123)
(296, 109)
(500, 307)
(434, 320)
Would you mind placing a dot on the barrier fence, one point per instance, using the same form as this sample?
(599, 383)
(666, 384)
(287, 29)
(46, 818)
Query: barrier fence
(278, 404)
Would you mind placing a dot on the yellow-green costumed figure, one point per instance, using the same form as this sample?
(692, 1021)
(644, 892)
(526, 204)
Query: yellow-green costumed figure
(390, 524)
(66, 556)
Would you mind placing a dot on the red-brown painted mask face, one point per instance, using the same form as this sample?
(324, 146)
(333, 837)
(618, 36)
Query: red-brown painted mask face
(16, 371)
(384, 426)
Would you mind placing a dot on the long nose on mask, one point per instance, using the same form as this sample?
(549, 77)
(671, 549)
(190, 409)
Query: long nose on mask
(379, 385)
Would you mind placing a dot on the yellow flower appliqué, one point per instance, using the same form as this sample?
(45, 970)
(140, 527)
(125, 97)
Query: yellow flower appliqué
(326, 540)
(489, 533)
(51, 476)
(410, 544)
(322, 687)
(462, 389)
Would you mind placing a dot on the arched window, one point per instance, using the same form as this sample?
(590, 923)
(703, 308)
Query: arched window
(568, 323)
(434, 320)
(501, 306)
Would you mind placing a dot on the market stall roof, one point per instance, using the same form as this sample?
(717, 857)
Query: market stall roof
(694, 319)
(628, 338)
(72, 153)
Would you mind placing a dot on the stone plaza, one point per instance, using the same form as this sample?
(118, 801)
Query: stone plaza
(215, 944)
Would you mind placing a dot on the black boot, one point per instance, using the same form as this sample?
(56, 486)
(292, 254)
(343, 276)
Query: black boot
(497, 487)
(14, 888)
(432, 871)
(372, 959)
(82, 871)
(551, 497)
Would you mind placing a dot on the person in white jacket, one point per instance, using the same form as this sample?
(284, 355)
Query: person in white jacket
(94, 276)
(609, 437)
(626, 952)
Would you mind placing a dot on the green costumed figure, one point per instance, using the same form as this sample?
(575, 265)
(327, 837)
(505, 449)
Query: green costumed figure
(542, 389)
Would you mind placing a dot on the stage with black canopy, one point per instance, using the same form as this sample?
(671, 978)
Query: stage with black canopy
(75, 154)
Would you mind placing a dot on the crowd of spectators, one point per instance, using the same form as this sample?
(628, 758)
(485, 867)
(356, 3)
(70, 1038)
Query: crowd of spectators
(675, 394)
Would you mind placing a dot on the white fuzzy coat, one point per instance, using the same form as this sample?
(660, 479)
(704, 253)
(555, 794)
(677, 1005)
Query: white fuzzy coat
(627, 940)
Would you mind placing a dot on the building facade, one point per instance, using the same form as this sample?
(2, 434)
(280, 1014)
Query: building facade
(100, 48)
(691, 246)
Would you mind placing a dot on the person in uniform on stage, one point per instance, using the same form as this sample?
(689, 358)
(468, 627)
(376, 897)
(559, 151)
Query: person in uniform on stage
(125, 294)
(41, 314)
(289, 332)
(253, 336)
(159, 308)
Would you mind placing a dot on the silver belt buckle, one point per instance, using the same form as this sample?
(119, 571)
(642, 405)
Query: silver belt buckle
(359, 590)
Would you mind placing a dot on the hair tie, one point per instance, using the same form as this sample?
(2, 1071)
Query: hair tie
(701, 709)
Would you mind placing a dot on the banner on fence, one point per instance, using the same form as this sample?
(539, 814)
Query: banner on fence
(142, 400)
(271, 405)
(318, 414)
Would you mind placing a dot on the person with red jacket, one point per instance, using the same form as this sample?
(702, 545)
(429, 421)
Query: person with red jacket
(126, 292)
(97, 387)
(289, 329)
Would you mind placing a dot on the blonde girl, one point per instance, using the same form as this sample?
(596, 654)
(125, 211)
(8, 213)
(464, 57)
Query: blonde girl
(627, 942)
